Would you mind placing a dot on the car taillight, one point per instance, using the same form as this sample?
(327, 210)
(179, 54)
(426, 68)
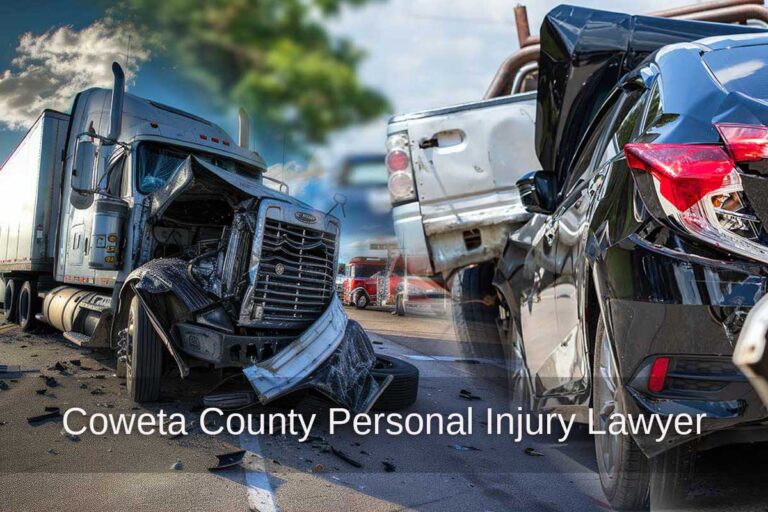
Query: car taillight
(658, 376)
(700, 187)
(398, 160)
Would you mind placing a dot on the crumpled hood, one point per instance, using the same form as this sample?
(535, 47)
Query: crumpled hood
(197, 176)
(584, 54)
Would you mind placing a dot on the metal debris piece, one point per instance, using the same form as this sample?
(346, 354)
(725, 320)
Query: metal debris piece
(233, 400)
(177, 466)
(468, 395)
(74, 362)
(72, 437)
(533, 453)
(97, 391)
(41, 391)
(228, 460)
(346, 458)
(51, 413)
(464, 448)
(51, 382)
(389, 467)
(52, 451)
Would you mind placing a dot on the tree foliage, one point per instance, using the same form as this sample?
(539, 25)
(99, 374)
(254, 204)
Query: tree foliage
(274, 57)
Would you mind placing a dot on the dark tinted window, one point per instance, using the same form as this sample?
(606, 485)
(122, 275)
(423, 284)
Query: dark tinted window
(365, 270)
(741, 69)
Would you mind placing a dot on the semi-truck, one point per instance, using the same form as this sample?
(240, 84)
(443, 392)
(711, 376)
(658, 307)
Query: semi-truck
(131, 225)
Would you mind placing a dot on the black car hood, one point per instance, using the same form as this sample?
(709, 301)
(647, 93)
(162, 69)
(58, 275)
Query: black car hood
(584, 54)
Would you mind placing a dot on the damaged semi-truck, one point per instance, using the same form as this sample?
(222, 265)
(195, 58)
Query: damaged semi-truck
(131, 225)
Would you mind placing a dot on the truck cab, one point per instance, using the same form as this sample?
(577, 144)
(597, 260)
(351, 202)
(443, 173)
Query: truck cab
(361, 281)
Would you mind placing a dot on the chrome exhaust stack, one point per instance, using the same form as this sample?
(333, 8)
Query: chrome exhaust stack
(244, 128)
(116, 108)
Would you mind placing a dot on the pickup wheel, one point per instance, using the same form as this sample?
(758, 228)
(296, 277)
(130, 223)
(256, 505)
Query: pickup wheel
(361, 300)
(28, 306)
(144, 361)
(475, 310)
(403, 389)
(11, 300)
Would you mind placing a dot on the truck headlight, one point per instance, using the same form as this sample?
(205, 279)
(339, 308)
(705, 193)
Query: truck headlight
(401, 184)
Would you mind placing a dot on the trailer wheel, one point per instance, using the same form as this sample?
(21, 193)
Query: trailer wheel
(361, 300)
(403, 389)
(475, 310)
(28, 306)
(145, 355)
(11, 300)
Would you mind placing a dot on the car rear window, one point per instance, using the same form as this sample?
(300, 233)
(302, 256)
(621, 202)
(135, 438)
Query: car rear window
(743, 69)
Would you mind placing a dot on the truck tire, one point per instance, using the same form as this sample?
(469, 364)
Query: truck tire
(144, 363)
(28, 306)
(474, 305)
(403, 389)
(361, 300)
(11, 300)
(400, 305)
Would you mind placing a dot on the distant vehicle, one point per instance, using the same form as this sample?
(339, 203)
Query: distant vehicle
(135, 226)
(381, 282)
(626, 292)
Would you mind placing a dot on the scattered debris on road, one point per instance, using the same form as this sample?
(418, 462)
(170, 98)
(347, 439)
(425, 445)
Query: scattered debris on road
(346, 458)
(389, 467)
(465, 448)
(177, 466)
(51, 413)
(468, 395)
(232, 400)
(72, 437)
(533, 453)
(228, 460)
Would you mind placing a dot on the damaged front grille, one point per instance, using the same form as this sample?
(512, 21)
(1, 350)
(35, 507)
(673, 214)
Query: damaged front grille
(292, 280)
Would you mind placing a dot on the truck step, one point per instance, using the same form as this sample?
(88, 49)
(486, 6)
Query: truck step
(83, 340)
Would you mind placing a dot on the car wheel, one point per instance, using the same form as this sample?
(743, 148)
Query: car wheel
(361, 300)
(28, 306)
(403, 389)
(144, 360)
(622, 466)
(11, 299)
(475, 310)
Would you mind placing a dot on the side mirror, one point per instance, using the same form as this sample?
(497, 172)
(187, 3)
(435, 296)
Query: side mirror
(538, 191)
(81, 196)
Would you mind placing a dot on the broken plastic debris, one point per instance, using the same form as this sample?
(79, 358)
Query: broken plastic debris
(72, 437)
(388, 466)
(177, 466)
(346, 458)
(533, 453)
(51, 413)
(468, 395)
(465, 448)
(41, 391)
(228, 460)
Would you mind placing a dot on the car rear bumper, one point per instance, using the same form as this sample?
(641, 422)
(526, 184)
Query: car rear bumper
(691, 310)
(410, 237)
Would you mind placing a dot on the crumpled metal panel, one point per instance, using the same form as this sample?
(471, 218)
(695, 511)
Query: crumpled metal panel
(169, 275)
(334, 356)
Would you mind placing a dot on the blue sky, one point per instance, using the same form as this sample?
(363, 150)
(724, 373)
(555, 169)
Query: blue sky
(421, 54)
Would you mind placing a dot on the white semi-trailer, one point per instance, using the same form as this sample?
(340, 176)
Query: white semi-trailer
(132, 225)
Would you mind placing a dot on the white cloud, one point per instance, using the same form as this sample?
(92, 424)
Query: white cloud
(51, 68)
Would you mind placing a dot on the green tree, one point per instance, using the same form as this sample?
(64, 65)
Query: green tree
(274, 57)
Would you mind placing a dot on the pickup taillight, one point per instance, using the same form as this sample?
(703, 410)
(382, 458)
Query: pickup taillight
(699, 186)
(400, 183)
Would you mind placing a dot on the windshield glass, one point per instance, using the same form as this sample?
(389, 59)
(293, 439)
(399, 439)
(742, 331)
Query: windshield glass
(156, 162)
(365, 173)
(365, 270)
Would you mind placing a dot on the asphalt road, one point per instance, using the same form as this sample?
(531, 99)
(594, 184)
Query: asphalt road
(41, 469)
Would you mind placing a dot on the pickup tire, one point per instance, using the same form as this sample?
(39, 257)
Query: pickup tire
(475, 310)
(11, 300)
(145, 360)
(403, 389)
(28, 306)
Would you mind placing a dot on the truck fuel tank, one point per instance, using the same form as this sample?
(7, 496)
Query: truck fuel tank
(107, 232)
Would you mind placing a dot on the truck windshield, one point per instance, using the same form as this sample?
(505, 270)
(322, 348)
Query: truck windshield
(156, 163)
(364, 270)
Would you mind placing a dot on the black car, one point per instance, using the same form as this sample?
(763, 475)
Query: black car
(627, 292)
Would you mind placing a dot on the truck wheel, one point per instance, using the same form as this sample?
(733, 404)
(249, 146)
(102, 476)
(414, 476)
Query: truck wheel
(361, 300)
(145, 357)
(403, 389)
(475, 310)
(11, 300)
(28, 306)
(622, 466)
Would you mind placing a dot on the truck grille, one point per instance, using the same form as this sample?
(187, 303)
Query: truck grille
(295, 279)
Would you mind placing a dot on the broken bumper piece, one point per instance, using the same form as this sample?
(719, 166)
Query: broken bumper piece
(334, 356)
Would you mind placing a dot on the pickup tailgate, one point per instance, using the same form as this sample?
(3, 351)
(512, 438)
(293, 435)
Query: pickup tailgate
(466, 160)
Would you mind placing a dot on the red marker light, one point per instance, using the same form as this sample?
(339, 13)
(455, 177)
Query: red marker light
(215, 139)
(658, 374)
(203, 136)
